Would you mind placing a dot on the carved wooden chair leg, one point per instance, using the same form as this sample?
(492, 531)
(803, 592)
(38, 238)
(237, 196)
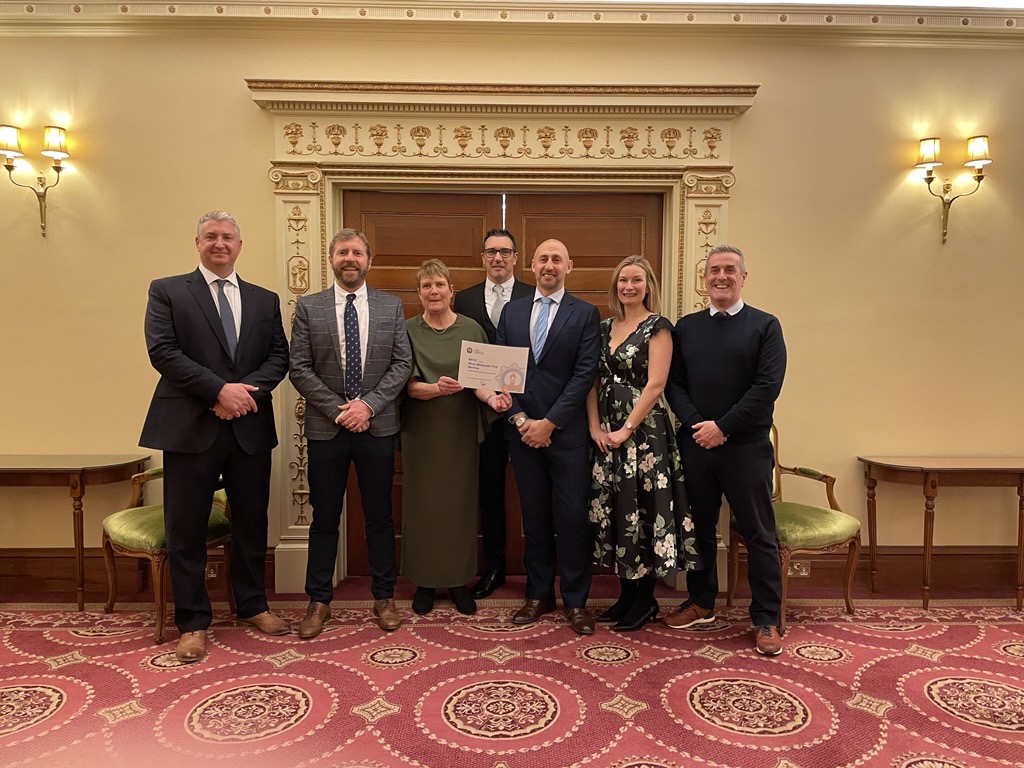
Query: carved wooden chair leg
(158, 569)
(851, 568)
(108, 563)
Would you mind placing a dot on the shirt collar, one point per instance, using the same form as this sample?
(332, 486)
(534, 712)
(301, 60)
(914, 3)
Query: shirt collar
(734, 309)
(341, 295)
(556, 297)
(212, 278)
(508, 285)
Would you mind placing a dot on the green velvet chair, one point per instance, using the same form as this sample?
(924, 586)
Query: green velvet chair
(802, 529)
(138, 531)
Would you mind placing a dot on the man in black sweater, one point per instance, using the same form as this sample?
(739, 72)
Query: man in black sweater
(727, 370)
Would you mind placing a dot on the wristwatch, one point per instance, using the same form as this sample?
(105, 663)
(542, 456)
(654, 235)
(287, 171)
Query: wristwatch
(629, 425)
(519, 422)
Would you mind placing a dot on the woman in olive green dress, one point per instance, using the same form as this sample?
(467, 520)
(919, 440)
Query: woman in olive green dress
(442, 426)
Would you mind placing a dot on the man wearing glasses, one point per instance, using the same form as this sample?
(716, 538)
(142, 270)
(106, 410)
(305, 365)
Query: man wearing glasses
(483, 302)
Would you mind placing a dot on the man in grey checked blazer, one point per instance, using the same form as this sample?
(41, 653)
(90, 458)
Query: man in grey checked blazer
(350, 326)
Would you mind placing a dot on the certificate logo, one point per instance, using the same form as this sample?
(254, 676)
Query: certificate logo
(511, 378)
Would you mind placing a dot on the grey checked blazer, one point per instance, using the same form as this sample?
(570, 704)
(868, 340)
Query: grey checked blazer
(317, 373)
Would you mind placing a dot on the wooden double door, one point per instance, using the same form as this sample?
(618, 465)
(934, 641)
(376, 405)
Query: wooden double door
(406, 228)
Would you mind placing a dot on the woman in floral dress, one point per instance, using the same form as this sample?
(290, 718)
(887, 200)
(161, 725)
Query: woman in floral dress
(638, 505)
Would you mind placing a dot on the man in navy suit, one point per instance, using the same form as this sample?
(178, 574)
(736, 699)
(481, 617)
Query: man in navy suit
(548, 438)
(219, 346)
(484, 303)
(350, 360)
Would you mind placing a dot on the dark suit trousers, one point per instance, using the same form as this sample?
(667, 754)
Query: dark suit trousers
(493, 468)
(329, 461)
(743, 472)
(190, 480)
(553, 485)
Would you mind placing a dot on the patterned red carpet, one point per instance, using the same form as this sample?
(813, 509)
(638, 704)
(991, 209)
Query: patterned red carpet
(892, 686)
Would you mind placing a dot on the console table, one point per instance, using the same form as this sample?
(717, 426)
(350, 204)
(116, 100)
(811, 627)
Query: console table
(75, 472)
(933, 472)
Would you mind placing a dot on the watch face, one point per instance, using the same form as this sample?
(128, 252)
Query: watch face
(520, 421)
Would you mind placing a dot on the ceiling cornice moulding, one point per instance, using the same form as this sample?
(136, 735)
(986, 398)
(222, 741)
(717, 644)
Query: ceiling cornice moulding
(35, 17)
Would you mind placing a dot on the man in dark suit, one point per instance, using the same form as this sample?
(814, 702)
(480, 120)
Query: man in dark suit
(218, 344)
(548, 437)
(350, 361)
(727, 372)
(484, 302)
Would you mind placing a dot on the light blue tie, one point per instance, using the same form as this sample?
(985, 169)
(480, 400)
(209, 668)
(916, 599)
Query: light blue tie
(540, 332)
(227, 318)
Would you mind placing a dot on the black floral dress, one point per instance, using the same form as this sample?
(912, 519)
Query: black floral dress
(638, 506)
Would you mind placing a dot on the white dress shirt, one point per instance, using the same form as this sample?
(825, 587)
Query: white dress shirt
(362, 313)
(730, 311)
(556, 300)
(231, 291)
(489, 296)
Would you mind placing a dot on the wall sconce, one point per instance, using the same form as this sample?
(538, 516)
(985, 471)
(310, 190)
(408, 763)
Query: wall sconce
(928, 158)
(54, 147)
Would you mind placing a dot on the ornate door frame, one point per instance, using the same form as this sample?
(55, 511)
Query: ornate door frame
(331, 136)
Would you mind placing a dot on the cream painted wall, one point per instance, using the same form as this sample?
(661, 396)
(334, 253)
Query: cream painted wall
(897, 343)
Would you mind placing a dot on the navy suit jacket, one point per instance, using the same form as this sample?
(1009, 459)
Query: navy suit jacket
(470, 302)
(557, 384)
(187, 346)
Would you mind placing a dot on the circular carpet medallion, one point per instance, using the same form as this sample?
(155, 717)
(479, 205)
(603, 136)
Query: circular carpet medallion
(500, 713)
(817, 652)
(1011, 649)
(33, 707)
(248, 712)
(749, 709)
(258, 711)
(606, 653)
(22, 706)
(985, 704)
(927, 762)
(393, 656)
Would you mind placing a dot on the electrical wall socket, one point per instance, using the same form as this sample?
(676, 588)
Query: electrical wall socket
(212, 570)
(800, 570)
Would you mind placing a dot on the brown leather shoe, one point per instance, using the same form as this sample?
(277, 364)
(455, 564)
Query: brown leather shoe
(268, 623)
(387, 614)
(767, 640)
(191, 646)
(580, 620)
(689, 616)
(533, 610)
(313, 622)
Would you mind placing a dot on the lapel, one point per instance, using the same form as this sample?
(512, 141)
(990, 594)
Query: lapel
(329, 314)
(480, 305)
(201, 292)
(373, 307)
(565, 309)
(247, 296)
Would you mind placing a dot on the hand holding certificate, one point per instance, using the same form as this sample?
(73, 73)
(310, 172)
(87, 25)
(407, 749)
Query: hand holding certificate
(490, 366)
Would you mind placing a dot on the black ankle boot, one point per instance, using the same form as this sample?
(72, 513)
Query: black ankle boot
(423, 600)
(643, 609)
(464, 602)
(617, 610)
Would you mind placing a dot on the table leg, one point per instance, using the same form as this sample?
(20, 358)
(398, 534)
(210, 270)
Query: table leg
(931, 490)
(1020, 544)
(77, 487)
(870, 482)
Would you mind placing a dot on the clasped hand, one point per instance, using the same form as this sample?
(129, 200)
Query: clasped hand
(234, 401)
(707, 434)
(354, 416)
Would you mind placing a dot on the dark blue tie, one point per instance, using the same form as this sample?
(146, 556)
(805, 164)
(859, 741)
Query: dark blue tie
(227, 318)
(353, 355)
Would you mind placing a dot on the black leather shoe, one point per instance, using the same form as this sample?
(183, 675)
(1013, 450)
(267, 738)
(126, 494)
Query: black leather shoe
(533, 610)
(490, 581)
(615, 612)
(633, 621)
(580, 620)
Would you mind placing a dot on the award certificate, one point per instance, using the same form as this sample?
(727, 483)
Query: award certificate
(490, 366)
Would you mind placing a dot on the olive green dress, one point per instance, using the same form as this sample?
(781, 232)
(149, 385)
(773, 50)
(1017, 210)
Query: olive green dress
(440, 454)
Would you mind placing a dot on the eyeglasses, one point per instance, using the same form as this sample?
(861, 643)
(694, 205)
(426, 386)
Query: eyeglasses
(505, 253)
